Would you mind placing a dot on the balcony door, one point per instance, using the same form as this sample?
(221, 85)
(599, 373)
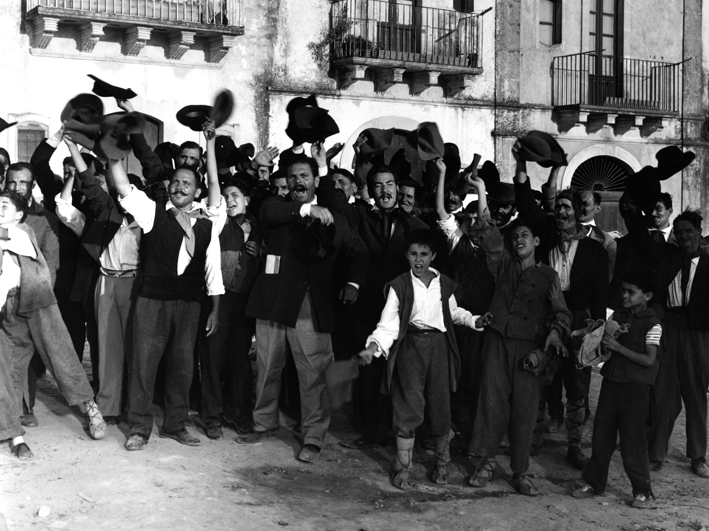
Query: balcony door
(398, 20)
(605, 39)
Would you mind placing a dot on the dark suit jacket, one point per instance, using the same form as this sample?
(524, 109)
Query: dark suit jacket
(589, 272)
(387, 256)
(46, 230)
(307, 255)
(670, 264)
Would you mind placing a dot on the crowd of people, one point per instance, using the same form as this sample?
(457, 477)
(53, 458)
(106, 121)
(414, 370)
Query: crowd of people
(471, 319)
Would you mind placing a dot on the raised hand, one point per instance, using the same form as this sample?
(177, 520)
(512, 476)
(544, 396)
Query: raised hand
(322, 214)
(317, 151)
(209, 130)
(125, 105)
(265, 157)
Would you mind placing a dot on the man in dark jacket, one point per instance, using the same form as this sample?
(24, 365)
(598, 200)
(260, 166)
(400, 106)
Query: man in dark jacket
(292, 301)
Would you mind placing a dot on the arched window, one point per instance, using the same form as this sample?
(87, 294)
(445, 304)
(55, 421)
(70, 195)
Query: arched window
(607, 176)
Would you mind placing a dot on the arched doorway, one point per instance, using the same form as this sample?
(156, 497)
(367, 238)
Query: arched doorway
(606, 175)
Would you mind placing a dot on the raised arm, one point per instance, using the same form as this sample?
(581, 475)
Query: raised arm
(120, 178)
(214, 195)
(441, 190)
(43, 172)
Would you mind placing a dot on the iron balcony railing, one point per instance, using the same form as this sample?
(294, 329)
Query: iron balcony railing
(219, 12)
(400, 31)
(618, 82)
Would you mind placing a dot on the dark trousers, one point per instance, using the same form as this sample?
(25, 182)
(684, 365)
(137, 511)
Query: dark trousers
(690, 379)
(508, 401)
(169, 329)
(227, 378)
(576, 382)
(372, 408)
(465, 399)
(421, 383)
(623, 408)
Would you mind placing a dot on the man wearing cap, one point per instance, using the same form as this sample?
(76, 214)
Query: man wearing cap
(180, 254)
(292, 301)
(582, 266)
(383, 227)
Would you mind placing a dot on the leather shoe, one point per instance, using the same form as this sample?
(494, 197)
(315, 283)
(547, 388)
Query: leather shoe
(309, 454)
(112, 420)
(524, 485)
(256, 436)
(700, 468)
(655, 466)
(240, 427)
(643, 501)
(576, 457)
(137, 441)
(28, 420)
(23, 452)
(181, 436)
(583, 492)
(214, 431)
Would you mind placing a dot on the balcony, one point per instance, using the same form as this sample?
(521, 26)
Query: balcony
(177, 22)
(393, 38)
(618, 91)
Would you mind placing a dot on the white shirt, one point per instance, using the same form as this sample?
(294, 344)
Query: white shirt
(562, 263)
(121, 253)
(674, 297)
(426, 313)
(142, 208)
(665, 232)
(18, 243)
(451, 229)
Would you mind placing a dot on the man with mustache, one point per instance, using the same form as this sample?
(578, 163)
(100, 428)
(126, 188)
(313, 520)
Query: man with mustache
(292, 301)
(582, 266)
(383, 227)
(180, 254)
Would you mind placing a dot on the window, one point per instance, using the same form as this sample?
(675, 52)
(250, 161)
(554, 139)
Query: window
(29, 135)
(464, 6)
(550, 22)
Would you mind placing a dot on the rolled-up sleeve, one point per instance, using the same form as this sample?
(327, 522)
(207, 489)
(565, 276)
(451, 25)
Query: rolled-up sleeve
(141, 207)
(461, 316)
(451, 229)
(70, 215)
(217, 215)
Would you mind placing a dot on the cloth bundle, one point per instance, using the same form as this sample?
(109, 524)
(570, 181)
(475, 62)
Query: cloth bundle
(541, 362)
(590, 352)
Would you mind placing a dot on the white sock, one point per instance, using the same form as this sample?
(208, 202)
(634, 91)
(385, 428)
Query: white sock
(16, 441)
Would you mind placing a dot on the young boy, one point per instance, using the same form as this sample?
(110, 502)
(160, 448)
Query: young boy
(527, 312)
(415, 333)
(624, 402)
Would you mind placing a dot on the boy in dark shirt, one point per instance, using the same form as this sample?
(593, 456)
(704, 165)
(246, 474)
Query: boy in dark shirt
(415, 333)
(624, 402)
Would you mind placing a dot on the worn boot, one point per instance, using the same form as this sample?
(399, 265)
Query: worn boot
(404, 449)
(443, 457)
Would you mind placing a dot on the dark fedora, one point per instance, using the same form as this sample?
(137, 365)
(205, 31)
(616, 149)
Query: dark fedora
(106, 90)
(293, 131)
(644, 187)
(115, 129)
(194, 116)
(223, 107)
(83, 140)
(489, 174)
(223, 148)
(378, 140)
(89, 130)
(241, 156)
(503, 193)
(168, 153)
(85, 108)
(314, 124)
(533, 149)
(557, 156)
(4, 125)
(672, 160)
(427, 141)
(451, 156)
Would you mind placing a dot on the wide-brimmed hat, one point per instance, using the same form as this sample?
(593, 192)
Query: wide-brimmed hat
(89, 130)
(241, 156)
(223, 107)
(489, 174)
(194, 116)
(451, 156)
(557, 157)
(672, 160)
(4, 125)
(644, 187)
(313, 124)
(401, 166)
(115, 129)
(533, 149)
(106, 90)
(427, 141)
(85, 108)
(223, 148)
(378, 140)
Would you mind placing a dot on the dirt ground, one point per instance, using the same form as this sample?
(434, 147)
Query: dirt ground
(94, 485)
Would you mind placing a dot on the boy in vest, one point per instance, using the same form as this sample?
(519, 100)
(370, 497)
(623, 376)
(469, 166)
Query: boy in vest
(415, 333)
(527, 312)
(624, 402)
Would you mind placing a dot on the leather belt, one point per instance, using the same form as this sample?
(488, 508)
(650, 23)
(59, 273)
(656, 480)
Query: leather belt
(119, 274)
